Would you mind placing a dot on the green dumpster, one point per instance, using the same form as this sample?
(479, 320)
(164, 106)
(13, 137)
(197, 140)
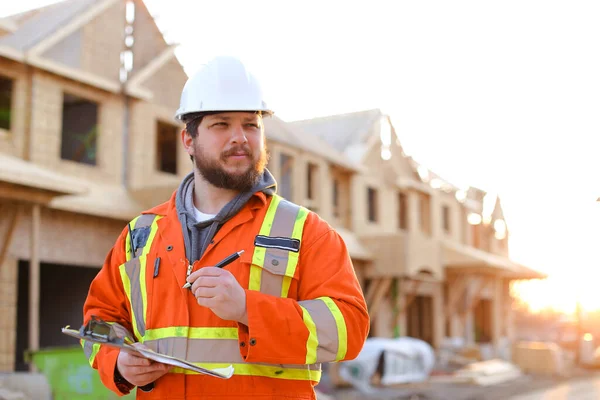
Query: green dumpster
(70, 375)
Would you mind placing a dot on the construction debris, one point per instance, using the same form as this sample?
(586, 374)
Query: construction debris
(540, 358)
(482, 373)
(486, 373)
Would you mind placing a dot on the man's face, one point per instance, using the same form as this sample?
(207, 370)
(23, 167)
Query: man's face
(230, 150)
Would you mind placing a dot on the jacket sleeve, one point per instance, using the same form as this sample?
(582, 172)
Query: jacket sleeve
(329, 322)
(107, 300)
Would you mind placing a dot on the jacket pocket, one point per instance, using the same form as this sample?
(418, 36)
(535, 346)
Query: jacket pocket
(275, 275)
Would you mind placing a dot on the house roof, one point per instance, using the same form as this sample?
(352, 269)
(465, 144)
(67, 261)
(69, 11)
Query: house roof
(432, 178)
(18, 18)
(30, 35)
(20, 172)
(355, 248)
(36, 25)
(350, 133)
(341, 131)
(459, 256)
(72, 194)
(102, 200)
(286, 133)
(40, 30)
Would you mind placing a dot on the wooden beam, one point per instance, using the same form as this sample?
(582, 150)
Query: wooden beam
(455, 294)
(359, 272)
(21, 193)
(408, 300)
(382, 289)
(34, 282)
(14, 219)
(507, 303)
(411, 295)
(483, 283)
(75, 74)
(139, 93)
(152, 67)
(452, 278)
(371, 290)
(479, 270)
(11, 53)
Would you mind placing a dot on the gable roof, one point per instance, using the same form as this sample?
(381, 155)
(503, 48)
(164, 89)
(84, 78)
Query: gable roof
(498, 213)
(41, 30)
(351, 133)
(341, 131)
(20, 17)
(283, 132)
(149, 42)
(431, 178)
(31, 36)
(37, 25)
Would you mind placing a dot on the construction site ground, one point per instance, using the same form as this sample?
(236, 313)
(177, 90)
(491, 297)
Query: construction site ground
(581, 384)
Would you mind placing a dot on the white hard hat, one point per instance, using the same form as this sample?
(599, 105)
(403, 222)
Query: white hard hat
(224, 84)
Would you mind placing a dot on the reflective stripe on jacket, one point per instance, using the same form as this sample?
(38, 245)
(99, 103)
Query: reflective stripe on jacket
(304, 303)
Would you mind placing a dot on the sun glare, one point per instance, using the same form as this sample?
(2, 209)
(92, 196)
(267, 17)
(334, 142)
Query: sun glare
(554, 294)
(541, 294)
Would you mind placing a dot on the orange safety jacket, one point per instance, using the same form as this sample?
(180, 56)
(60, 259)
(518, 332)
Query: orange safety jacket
(304, 303)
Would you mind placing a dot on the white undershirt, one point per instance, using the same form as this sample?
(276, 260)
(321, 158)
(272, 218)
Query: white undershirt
(200, 216)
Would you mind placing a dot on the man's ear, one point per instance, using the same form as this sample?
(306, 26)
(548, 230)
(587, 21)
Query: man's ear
(187, 141)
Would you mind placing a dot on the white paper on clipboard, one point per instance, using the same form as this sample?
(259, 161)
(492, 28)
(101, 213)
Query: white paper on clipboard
(223, 373)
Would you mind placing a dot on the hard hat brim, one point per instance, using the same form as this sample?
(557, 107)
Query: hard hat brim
(180, 116)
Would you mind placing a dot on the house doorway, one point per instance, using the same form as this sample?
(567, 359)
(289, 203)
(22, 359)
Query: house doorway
(63, 290)
(420, 319)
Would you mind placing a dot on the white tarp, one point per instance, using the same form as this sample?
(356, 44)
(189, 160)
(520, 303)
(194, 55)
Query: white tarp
(405, 360)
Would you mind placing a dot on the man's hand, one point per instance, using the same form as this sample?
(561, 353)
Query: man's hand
(140, 371)
(217, 289)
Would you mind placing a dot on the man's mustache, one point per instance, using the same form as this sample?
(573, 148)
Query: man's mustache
(237, 150)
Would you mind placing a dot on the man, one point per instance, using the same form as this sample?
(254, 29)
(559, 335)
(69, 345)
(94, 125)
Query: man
(289, 303)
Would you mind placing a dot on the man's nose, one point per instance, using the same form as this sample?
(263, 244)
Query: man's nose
(237, 134)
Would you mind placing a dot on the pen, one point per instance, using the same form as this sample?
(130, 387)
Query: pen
(221, 264)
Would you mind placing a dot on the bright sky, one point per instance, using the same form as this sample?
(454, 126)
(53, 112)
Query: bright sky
(499, 95)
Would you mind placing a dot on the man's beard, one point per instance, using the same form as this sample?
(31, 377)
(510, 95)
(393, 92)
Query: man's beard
(214, 173)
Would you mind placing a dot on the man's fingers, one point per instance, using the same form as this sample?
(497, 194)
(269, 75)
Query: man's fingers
(140, 376)
(201, 291)
(206, 301)
(208, 281)
(154, 375)
(135, 361)
(205, 281)
(205, 271)
(206, 292)
(210, 271)
(154, 368)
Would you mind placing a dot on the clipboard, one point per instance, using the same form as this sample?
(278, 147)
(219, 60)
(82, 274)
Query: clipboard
(98, 331)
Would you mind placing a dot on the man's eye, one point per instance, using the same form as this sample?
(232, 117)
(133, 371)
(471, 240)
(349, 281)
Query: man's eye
(253, 126)
(220, 124)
